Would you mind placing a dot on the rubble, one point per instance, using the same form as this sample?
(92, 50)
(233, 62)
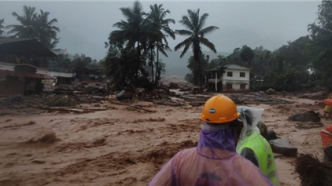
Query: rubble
(316, 95)
(270, 91)
(252, 98)
(306, 116)
(62, 101)
(173, 85)
(312, 172)
(124, 94)
(63, 88)
(309, 125)
(15, 98)
(283, 146)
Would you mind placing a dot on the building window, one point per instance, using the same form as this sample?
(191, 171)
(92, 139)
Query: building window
(243, 86)
(242, 74)
(229, 85)
(229, 74)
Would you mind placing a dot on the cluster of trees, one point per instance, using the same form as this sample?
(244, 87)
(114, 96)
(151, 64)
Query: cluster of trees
(298, 65)
(77, 64)
(133, 50)
(32, 25)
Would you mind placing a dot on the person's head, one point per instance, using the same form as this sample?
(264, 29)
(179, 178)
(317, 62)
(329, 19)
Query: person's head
(219, 110)
(219, 118)
(248, 120)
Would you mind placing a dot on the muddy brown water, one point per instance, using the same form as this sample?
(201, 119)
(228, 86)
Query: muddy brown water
(125, 147)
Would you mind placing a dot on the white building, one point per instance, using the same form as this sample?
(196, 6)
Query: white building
(230, 78)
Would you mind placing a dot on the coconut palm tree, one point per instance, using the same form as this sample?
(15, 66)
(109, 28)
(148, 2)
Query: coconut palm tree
(159, 23)
(134, 29)
(2, 27)
(33, 25)
(27, 27)
(47, 32)
(194, 24)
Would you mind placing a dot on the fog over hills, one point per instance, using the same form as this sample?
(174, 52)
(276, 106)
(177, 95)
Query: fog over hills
(178, 66)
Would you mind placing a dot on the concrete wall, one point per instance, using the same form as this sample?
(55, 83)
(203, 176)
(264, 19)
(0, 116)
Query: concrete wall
(61, 74)
(236, 81)
(7, 66)
(236, 75)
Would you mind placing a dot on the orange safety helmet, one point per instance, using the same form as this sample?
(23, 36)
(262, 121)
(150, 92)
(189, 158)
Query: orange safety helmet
(219, 109)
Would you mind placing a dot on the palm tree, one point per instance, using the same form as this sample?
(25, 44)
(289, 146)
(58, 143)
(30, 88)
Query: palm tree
(134, 29)
(33, 25)
(47, 32)
(161, 25)
(2, 27)
(27, 27)
(194, 25)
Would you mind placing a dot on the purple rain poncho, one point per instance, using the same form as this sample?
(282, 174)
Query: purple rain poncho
(212, 163)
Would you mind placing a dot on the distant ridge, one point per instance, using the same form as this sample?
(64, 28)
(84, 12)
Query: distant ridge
(178, 66)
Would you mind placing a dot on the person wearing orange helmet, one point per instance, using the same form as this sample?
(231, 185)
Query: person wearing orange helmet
(213, 162)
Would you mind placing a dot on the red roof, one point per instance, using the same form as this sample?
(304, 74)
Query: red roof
(25, 74)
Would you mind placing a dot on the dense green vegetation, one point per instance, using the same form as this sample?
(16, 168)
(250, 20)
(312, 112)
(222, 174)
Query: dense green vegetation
(298, 65)
(135, 46)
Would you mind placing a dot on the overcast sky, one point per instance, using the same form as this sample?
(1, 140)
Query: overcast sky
(85, 25)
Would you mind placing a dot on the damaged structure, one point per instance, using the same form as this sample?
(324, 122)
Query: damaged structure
(228, 78)
(24, 66)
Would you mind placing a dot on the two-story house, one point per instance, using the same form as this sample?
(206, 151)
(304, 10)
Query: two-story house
(229, 78)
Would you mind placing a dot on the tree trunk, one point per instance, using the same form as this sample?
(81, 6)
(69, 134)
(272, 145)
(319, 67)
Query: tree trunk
(138, 51)
(152, 69)
(200, 73)
(157, 67)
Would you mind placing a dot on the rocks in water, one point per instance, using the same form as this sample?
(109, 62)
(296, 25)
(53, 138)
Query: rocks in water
(270, 91)
(306, 116)
(271, 135)
(283, 146)
(263, 129)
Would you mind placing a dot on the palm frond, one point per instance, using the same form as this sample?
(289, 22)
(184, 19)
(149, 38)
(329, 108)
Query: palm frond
(183, 43)
(208, 44)
(202, 21)
(184, 32)
(208, 30)
(185, 49)
(194, 18)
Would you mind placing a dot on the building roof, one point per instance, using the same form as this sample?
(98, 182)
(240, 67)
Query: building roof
(24, 47)
(235, 67)
(229, 67)
(25, 74)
